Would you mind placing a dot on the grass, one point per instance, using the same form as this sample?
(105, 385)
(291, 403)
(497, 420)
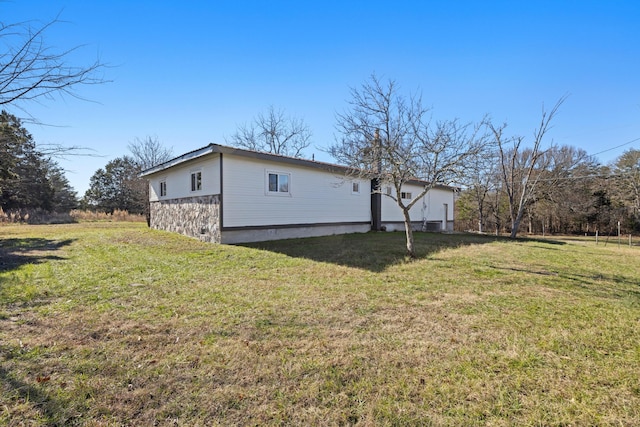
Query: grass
(107, 324)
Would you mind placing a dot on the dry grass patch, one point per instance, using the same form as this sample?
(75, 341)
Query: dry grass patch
(127, 326)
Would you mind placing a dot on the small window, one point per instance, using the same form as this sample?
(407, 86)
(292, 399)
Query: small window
(273, 182)
(196, 181)
(355, 187)
(283, 183)
(163, 188)
(405, 195)
(278, 183)
(388, 191)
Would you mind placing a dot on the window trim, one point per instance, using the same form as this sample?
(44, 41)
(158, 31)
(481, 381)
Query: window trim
(278, 174)
(355, 187)
(196, 180)
(163, 187)
(406, 195)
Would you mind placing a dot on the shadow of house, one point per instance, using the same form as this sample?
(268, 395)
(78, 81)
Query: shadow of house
(17, 252)
(370, 251)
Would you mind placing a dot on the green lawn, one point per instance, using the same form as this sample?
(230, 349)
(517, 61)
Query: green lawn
(109, 324)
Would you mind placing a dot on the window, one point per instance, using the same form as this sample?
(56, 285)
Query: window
(163, 188)
(278, 183)
(355, 187)
(196, 181)
(405, 195)
(388, 191)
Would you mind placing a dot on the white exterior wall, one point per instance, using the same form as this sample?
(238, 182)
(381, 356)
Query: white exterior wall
(436, 199)
(238, 206)
(316, 196)
(178, 180)
(430, 208)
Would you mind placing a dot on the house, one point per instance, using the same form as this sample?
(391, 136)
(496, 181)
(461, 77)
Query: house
(228, 195)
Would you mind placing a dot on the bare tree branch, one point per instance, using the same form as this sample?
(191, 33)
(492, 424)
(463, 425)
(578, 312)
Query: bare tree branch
(520, 167)
(389, 138)
(149, 152)
(275, 133)
(30, 69)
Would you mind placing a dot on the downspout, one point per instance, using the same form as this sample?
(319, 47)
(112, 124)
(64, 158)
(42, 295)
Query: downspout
(220, 201)
(376, 193)
(376, 205)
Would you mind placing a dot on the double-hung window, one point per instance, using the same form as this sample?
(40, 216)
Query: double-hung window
(406, 195)
(196, 181)
(278, 183)
(163, 188)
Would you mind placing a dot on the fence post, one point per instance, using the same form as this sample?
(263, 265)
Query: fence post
(618, 233)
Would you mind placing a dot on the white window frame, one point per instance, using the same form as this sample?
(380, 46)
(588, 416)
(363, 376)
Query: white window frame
(278, 174)
(195, 180)
(163, 187)
(355, 187)
(406, 195)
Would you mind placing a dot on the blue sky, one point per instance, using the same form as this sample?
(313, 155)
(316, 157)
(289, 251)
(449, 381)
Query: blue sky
(190, 72)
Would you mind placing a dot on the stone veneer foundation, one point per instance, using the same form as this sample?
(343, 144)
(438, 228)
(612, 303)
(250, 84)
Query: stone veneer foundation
(197, 217)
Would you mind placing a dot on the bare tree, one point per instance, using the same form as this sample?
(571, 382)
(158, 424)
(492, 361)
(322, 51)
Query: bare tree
(564, 196)
(520, 166)
(389, 138)
(626, 171)
(480, 182)
(147, 153)
(30, 69)
(273, 132)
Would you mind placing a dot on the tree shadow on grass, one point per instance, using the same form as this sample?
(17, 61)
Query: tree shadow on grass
(370, 251)
(615, 286)
(17, 252)
(598, 284)
(20, 391)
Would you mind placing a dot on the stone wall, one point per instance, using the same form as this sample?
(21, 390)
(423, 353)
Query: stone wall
(197, 217)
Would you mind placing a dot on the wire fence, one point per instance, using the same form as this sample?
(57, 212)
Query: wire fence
(620, 240)
(627, 240)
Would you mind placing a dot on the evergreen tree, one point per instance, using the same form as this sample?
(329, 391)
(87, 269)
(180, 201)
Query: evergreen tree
(117, 186)
(64, 196)
(28, 179)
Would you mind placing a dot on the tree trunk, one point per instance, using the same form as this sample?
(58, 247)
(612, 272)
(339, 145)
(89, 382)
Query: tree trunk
(409, 232)
(515, 225)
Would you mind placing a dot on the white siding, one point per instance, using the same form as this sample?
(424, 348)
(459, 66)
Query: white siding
(178, 180)
(436, 199)
(316, 196)
(430, 208)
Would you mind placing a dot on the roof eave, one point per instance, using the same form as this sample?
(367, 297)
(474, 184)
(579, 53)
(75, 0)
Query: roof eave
(259, 155)
(201, 152)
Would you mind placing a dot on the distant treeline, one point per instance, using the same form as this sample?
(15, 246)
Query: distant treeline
(574, 194)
